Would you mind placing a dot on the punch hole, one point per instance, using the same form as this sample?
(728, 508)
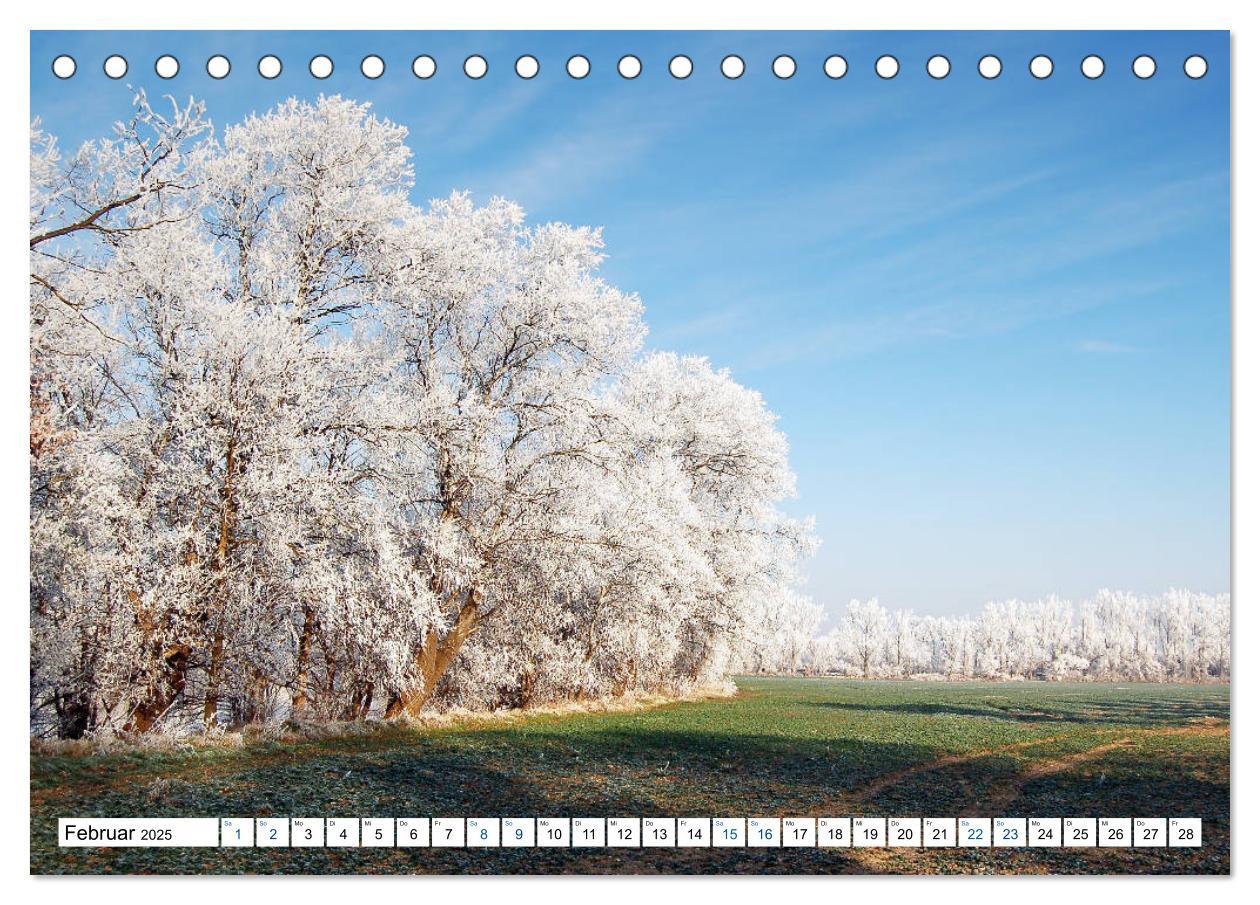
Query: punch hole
(680, 66)
(732, 66)
(784, 67)
(166, 66)
(372, 66)
(1195, 66)
(64, 66)
(115, 66)
(321, 66)
(527, 66)
(938, 66)
(218, 66)
(887, 66)
(1041, 66)
(578, 66)
(990, 67)
(424, 66)
(1092, 66)
(1144, 66)
(835, 66)
(269, 67)
(475, 66)
(629, 67)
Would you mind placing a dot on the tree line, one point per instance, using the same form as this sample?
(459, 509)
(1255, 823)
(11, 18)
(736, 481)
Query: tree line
(303, 449)
(1174, 636)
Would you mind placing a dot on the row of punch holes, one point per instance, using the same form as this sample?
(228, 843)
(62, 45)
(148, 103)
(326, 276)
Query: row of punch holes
(629, 66)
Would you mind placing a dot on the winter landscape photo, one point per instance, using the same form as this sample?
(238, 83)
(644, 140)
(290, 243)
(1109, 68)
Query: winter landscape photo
(669, 427)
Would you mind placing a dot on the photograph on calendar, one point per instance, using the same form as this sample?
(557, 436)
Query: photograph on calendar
(630, 452)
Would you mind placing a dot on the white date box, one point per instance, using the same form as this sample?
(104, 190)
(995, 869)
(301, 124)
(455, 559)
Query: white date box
(447, 832)
(1080, 832)
(1150, 832)
(482, 832)
(975, 832)
(306, 832)
(1045, 832)
(1185, 832)
(905, 832)
(659, 832)
(800, 832)
(729, 832)
(272, 832)
(764, 832)
(377, 832)
(623, 832)
(236, 832)
(343, 832)
(412, 832)
(940, 832)
(1115, 832)
(590, 832)
(870, 832)
(1010, 832)
(694, 832)
(553, 832)
(518, 832)
(835, 832)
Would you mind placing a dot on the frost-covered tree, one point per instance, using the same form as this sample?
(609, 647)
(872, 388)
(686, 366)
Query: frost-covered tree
(866, 629)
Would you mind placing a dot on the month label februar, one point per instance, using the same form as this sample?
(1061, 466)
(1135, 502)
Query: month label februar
(130, 832)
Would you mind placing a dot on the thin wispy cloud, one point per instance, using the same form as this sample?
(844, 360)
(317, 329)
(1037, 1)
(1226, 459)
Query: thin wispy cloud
(1103, 347)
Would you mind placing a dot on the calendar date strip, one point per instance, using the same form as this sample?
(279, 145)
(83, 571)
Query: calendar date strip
(630, 832)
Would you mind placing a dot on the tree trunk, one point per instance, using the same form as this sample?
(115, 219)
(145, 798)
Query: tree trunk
(227, 531)
(173, 670)
(434, 658)
(300, 696)
(146, 713)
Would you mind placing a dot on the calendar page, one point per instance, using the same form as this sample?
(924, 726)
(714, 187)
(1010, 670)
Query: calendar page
(629, 452)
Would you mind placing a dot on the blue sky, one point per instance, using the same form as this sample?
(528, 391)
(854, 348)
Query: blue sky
(992, 315)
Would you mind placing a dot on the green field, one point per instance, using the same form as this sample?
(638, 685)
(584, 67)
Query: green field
(782, 747)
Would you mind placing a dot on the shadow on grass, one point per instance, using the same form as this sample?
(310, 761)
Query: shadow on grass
(633, 772)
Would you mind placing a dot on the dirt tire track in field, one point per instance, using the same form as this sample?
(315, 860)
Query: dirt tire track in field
(1045, 767)
(996, 800)
(887, 780)
(885, 860)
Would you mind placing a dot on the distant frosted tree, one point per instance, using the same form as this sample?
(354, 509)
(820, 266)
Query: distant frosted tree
(867, 627)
